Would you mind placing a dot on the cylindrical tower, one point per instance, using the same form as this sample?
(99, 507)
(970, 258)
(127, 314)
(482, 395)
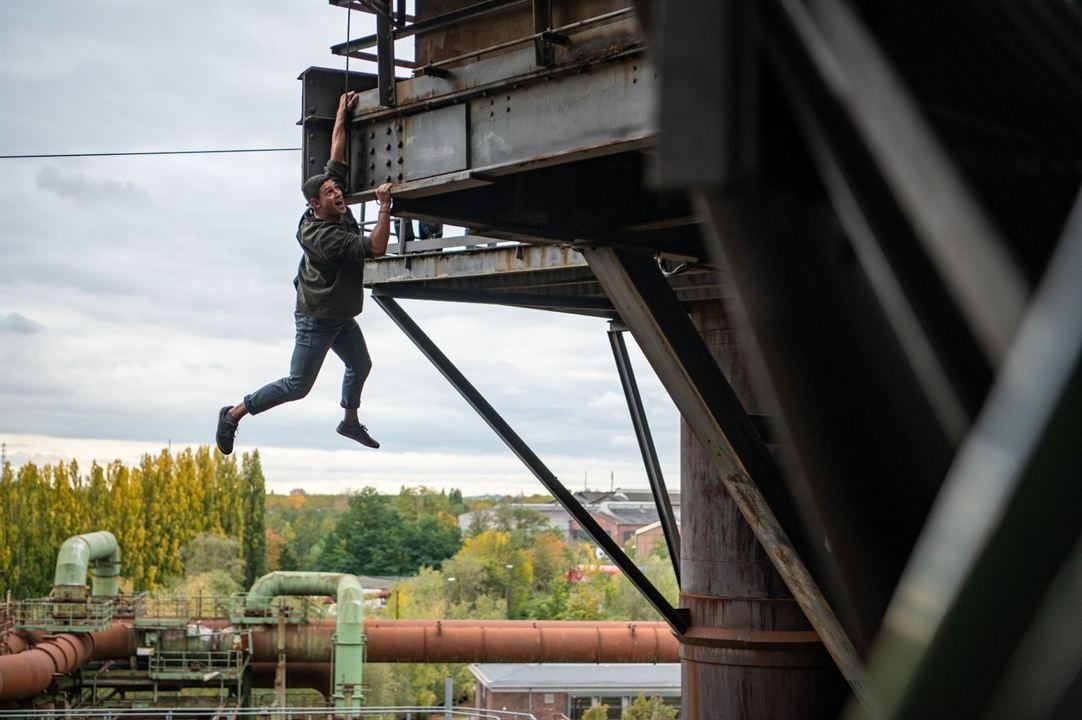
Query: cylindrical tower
(751, 653)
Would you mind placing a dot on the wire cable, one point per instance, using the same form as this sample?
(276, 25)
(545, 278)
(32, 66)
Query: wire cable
(151, 152)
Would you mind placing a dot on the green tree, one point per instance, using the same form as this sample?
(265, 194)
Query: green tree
(208, 552)
(380, 535)
(597, 712)
(254, 535)
(652, 709)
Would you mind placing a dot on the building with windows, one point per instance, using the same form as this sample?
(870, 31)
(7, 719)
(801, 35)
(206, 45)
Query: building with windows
(620, 519)
(555, 691)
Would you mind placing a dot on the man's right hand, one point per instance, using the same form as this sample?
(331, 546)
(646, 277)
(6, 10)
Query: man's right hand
(383, 193)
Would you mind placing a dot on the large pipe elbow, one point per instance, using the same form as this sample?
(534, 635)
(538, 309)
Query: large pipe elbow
(74, 559)
(279, 583)
(349, 626)
(29, 672)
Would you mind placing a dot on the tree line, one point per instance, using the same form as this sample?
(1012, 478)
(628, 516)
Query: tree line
(154, 509)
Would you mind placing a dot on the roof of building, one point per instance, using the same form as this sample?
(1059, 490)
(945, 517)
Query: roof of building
(654, 526)
(554, 514)
(631, 513)
(634, 677)
(593, 497)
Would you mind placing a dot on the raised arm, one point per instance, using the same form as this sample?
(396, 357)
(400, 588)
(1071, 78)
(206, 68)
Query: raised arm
(382, 231)
(341, 118)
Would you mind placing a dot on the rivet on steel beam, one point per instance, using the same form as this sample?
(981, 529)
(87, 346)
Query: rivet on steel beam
(399, 161)
(399, 177)
(388, 163)
(388, 178)
(400, 128)
(371, 151)
(388, 129)
(388, 147)
(399, 143)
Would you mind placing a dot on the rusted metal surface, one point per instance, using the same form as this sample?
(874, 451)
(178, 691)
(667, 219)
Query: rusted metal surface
(522, 641)
(481, 641)
(308, 648)
(118, 641)
(750, 651)
(497, 26)
(27, 673)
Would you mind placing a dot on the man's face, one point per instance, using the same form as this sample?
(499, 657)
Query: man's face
(331, 204)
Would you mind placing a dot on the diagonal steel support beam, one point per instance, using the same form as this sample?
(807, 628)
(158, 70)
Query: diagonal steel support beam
(646, 447)
(684, 365)
(677, 618)
(1005, 524)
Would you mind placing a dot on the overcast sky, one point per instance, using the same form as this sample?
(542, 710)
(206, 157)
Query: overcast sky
(140, 294)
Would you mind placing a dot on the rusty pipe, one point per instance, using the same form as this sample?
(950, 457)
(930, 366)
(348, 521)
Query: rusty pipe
(483, 641)
(27, 673)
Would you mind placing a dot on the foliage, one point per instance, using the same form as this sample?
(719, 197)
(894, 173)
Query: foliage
(208, 552)
(652, 709)
(597, 712)
(297, 526)
(213, 583)
(384, 535)
(413, 684)
(153, 509)
(254, 536)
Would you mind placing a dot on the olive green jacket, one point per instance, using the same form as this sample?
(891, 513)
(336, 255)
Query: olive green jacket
(329, 279)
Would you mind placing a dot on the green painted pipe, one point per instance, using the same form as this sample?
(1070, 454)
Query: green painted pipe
(349, 625)
(74, 560)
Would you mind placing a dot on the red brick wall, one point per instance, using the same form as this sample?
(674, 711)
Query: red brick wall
(523, 702)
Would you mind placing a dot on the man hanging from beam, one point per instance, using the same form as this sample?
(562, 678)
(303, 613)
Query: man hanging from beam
(329, 294)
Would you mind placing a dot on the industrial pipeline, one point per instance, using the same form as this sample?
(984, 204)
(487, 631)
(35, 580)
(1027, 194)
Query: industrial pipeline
(326, 655)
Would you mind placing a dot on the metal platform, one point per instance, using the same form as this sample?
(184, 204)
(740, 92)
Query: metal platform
(543, 277)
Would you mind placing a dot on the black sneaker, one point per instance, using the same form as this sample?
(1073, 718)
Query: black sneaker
(358, 432)
(227, 430)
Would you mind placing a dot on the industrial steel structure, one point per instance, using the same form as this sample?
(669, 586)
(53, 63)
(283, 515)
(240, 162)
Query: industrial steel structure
(101, 649)
(847, 236)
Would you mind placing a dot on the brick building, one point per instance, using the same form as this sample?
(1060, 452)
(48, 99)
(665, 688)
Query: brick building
(620, 519)
(555, 691)
(649, 537)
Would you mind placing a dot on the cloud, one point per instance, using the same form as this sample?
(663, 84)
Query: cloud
(20, 324)
(87, 189)
(169, 279)
(609, 401)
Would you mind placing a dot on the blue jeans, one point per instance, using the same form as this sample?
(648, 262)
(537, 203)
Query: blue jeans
(314, 338)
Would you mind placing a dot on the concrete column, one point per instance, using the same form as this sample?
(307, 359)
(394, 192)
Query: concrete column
(751, 653)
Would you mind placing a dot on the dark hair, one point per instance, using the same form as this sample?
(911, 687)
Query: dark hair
(311, 186)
